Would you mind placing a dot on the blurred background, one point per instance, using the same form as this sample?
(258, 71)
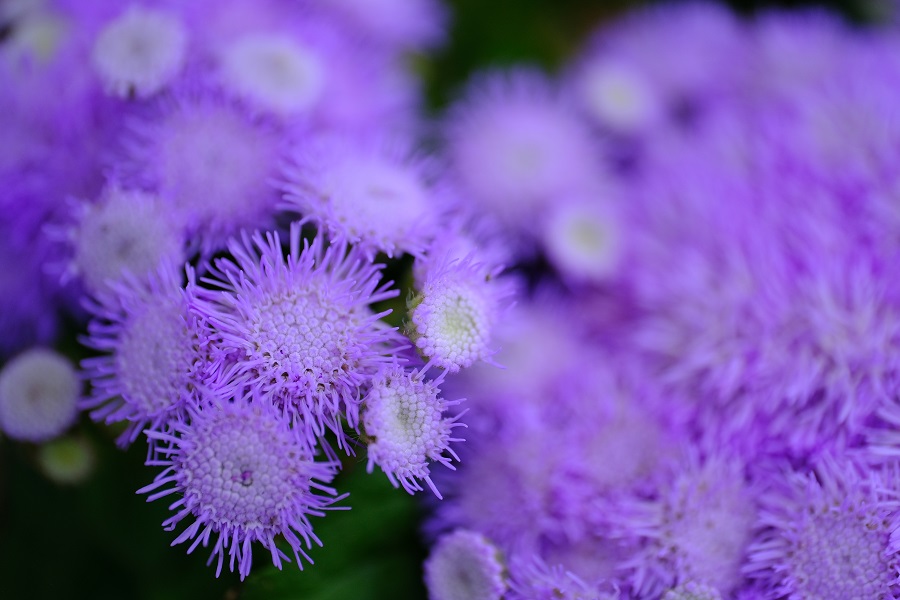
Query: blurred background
(98, 539)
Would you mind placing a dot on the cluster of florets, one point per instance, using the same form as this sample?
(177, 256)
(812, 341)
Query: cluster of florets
(700, 392)
(699, 398)
(215, 211)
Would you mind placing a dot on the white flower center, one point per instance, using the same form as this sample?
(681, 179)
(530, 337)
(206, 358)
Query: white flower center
(140, 52)
(275, 72)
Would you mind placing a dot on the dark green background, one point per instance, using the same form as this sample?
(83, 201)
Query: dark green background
(100, 540)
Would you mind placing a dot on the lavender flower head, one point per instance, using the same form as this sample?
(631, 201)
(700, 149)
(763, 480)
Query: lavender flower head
(300, 327)
(372, 193)
(465, 565)
(243, 475)
(152, 367)
(405, 423)
(140, 52)
(209, 160)
(516, 146)
(452, 318)
(124, 231)
(829, 533)
(38, 393)
(274, 71)
(697, 530)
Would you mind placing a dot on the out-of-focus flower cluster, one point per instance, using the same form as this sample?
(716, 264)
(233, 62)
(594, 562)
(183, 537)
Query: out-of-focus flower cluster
(700, 397)
(663, 280)
(210, 193)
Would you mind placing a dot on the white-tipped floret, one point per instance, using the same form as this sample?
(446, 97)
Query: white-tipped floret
(274, 72)
(405, 422)
(125, 231)
(140, 52)
(583, 241)
(38, 394)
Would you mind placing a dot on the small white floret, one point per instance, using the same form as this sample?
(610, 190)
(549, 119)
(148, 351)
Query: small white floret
(38, 394)
(140, 52)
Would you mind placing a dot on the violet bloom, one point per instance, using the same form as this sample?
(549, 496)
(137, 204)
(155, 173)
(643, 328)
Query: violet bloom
(274, 71)
(123, 231)
(465, 565)
(373, 193)
(829, 533)
(140, 52)
(152, 367)
(535, 580)
(39, 389)
(516, 146)
(697, 529)
(210, 161)
(243, 475)
(405, 423)
(452, 317)
(300, 328)
(640, 72)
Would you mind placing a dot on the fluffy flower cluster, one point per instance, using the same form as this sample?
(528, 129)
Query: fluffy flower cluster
(700, 393)
(244, 335)
(700, 215)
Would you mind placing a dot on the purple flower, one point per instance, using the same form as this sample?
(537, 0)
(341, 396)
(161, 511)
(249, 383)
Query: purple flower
(452, 317)
(152, 367)
(583, 240)
(38, 393)
(465, 565)
(140, 52)
(210, 161)
(299, 328)
(371, 192)
(124, 231)
(697, 529)
(534, 579)
(828, 533)
(243, 476)
(516, 146)
(274, 71)
(638, 72)
(406, 427)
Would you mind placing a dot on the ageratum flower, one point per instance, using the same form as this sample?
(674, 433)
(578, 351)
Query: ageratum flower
(406, 427)
(210, 161)
(583, 240)
(631, 82)
(534, 579)
(124, 231)
(370, 192)
(465, 565)
(452, 318)
(38, 393)
(300, 328)
(697, 529)
(243, 475)
(140, 52)
(152, 367)
(516, 147)
(274, 71)
(829, 533)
